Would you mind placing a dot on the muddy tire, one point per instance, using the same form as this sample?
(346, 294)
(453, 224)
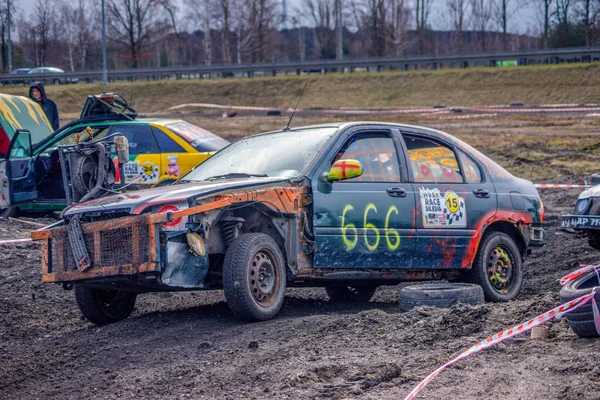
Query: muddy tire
(441, 295)
(498, 267)
(350, 293)
(254, 277)
(103, 307)
(581, 320)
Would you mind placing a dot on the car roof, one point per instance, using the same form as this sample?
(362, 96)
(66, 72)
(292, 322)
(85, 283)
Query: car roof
(137, 121)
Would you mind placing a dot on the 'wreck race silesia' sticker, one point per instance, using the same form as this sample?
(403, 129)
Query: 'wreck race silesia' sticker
(441, 211)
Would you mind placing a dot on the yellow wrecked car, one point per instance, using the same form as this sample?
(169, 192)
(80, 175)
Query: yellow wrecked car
(161, 150)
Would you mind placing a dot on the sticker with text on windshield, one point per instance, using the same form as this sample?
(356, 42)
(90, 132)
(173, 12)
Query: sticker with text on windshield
(442, 210)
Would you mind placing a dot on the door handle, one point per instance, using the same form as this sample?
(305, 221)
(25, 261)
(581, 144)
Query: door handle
(481, 193)
(396, 192)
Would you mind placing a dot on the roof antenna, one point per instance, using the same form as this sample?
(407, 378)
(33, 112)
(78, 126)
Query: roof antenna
(287, 127)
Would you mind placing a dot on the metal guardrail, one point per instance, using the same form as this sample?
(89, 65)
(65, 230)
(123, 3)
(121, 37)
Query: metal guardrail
(547, 56)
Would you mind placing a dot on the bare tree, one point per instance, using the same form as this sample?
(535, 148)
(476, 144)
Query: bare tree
(398, 25)
(76, 33)
(43, 17)
(261, 15)
(321, 15)
(458, 10)
(482, 14)
(503, 12)
(225, 14)
(171, 9)
(422, 11)
(4, 31)
(131, 24)
(587, 12)
(563, 12)
(204, 11)
(545, 19)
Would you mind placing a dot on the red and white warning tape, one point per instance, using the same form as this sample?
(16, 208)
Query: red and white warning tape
(15, 241)
(584, 269)
(555, 313)
(558, 186)
(472, 116)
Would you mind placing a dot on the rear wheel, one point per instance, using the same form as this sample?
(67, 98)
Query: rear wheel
(350, 293)
(9, 212)
(254, 277)
(498, 267)
(103, 307)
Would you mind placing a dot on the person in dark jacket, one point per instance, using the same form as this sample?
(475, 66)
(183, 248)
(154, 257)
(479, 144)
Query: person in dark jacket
(37, 93)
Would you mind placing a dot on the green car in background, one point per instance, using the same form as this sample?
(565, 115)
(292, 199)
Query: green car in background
(30, 167)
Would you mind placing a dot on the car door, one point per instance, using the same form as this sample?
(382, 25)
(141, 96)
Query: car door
(453, 195)
(174, 159)
(20, 169)
(367, 221)
(144, 167)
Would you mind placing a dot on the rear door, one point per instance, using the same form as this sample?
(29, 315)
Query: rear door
(367, 221)
(175, 161)
(453, 197)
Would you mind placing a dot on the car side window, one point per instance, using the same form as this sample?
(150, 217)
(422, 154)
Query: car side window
(472, 170)
(165, 143)
(377, 154)
(431, 161)
(140, 138)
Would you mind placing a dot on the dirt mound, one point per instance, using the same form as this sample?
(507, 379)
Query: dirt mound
(189, 345)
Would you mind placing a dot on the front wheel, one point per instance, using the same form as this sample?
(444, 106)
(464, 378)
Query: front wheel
(350, 293)
(103, 307)
(254, 277)
(498, 267)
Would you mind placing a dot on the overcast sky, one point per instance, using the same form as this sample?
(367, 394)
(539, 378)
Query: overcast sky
(524, 22)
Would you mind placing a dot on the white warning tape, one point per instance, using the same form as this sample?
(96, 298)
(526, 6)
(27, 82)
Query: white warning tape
(221, 106)
(558, 186)
(15, 241)
(555, 313)
(584, 269)
(472, 116)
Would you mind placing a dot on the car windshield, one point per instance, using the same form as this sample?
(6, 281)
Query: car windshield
(201, 139)
(282, 154)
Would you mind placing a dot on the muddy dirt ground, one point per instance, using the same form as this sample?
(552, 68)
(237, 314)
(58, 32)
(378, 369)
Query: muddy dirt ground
(189, 345)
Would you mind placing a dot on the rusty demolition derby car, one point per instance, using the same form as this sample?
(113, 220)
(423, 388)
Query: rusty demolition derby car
(347, 206)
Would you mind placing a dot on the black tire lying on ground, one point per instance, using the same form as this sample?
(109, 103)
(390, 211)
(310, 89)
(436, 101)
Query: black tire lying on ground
(441, 295)
(581, 320)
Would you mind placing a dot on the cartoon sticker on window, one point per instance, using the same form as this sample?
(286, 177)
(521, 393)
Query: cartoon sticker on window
(441, 211)
(173, 167)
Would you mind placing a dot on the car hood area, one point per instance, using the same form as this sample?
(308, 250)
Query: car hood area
(136, 202)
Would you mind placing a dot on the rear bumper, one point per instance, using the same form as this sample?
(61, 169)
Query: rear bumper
(583, 222)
